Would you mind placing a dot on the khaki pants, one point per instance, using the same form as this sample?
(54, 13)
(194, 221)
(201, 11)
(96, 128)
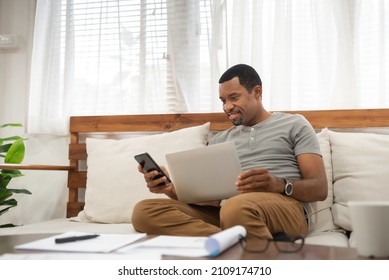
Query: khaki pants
(262, 214)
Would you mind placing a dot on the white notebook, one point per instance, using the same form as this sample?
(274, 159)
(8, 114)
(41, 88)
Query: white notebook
(104, 243)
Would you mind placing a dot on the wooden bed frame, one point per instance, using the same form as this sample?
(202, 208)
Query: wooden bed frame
(88, 125)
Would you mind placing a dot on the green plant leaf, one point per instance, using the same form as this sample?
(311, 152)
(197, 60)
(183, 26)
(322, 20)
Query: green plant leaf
(11, 124)
(4, 195)
(12, 153)
(11, 173)
(7, 175)
(2, 211)
(20, 191)
(12, 138)
(16, 152)
(4, 148)
(6, 202)
(3, 182)
(11, 202)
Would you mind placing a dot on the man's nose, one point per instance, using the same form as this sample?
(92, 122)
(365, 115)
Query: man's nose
(228, 106)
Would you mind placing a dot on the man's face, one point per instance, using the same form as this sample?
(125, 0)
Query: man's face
(242, 107)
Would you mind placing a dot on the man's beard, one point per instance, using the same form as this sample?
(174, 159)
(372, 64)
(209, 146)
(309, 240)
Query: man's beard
(235, 121)
(238, 121)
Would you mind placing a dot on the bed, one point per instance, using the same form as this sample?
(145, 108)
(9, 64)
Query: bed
(87, 132)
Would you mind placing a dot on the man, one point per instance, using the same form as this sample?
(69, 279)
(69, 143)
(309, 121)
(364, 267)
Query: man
(283, 170)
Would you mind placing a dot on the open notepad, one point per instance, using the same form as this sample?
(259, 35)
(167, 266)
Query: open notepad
(104, 243)
(162, 245)
(185, 246)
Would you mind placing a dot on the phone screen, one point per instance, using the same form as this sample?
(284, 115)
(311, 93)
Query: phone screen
(148, 164)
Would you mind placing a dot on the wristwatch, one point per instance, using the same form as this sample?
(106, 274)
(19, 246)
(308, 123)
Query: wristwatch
(288, 189)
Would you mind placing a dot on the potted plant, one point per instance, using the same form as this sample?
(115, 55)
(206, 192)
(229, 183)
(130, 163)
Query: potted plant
(12, 151)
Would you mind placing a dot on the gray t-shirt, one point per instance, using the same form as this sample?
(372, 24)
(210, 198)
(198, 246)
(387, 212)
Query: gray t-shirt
(273, 144)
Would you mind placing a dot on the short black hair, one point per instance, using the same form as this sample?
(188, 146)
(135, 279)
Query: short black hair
(247, 75)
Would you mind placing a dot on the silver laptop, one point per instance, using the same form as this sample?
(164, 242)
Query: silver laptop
(204, 174)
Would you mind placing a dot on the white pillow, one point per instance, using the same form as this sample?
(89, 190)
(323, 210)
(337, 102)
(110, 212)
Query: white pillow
(321, 216)
(360, 163)
(114, 184)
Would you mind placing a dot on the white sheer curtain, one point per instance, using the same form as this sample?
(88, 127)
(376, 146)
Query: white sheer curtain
(314, 54)
(118, 57)
(95, 57)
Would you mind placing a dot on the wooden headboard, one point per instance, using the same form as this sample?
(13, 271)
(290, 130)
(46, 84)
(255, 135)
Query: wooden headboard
(360, 118)
(89, 125)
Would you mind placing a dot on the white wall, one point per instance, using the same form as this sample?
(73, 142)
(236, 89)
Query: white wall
(49, 193)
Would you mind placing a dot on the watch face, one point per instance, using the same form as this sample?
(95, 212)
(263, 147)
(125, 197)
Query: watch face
(288, 189)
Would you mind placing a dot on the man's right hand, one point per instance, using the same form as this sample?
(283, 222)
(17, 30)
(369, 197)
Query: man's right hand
(153, 185)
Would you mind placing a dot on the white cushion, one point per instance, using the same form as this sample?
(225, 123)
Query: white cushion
(114, 184)
(320, 213)
(328, 238)
(352, 240)
(360, 163)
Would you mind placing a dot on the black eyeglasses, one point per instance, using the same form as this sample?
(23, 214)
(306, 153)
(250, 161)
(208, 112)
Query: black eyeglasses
(283, 246)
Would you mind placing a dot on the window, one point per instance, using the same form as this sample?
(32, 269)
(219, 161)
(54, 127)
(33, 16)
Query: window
(96, 57)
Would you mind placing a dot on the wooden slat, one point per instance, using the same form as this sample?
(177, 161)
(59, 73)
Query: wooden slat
(73, 208)
(77, 151)
(6, 166)
(72, 196)
(169, 122)
(353, 118)
(77, 180)
(142, 123)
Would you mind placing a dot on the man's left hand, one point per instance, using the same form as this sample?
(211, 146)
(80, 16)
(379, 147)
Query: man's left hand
(259, 180)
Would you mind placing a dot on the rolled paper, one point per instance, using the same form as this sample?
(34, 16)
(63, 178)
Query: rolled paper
(218, 242)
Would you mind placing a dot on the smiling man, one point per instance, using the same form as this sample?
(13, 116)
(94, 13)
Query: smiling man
(282, 171)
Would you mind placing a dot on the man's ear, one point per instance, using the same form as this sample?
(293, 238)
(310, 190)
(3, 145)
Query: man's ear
(258, 92)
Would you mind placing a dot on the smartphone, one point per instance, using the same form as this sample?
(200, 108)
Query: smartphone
(148, 164)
